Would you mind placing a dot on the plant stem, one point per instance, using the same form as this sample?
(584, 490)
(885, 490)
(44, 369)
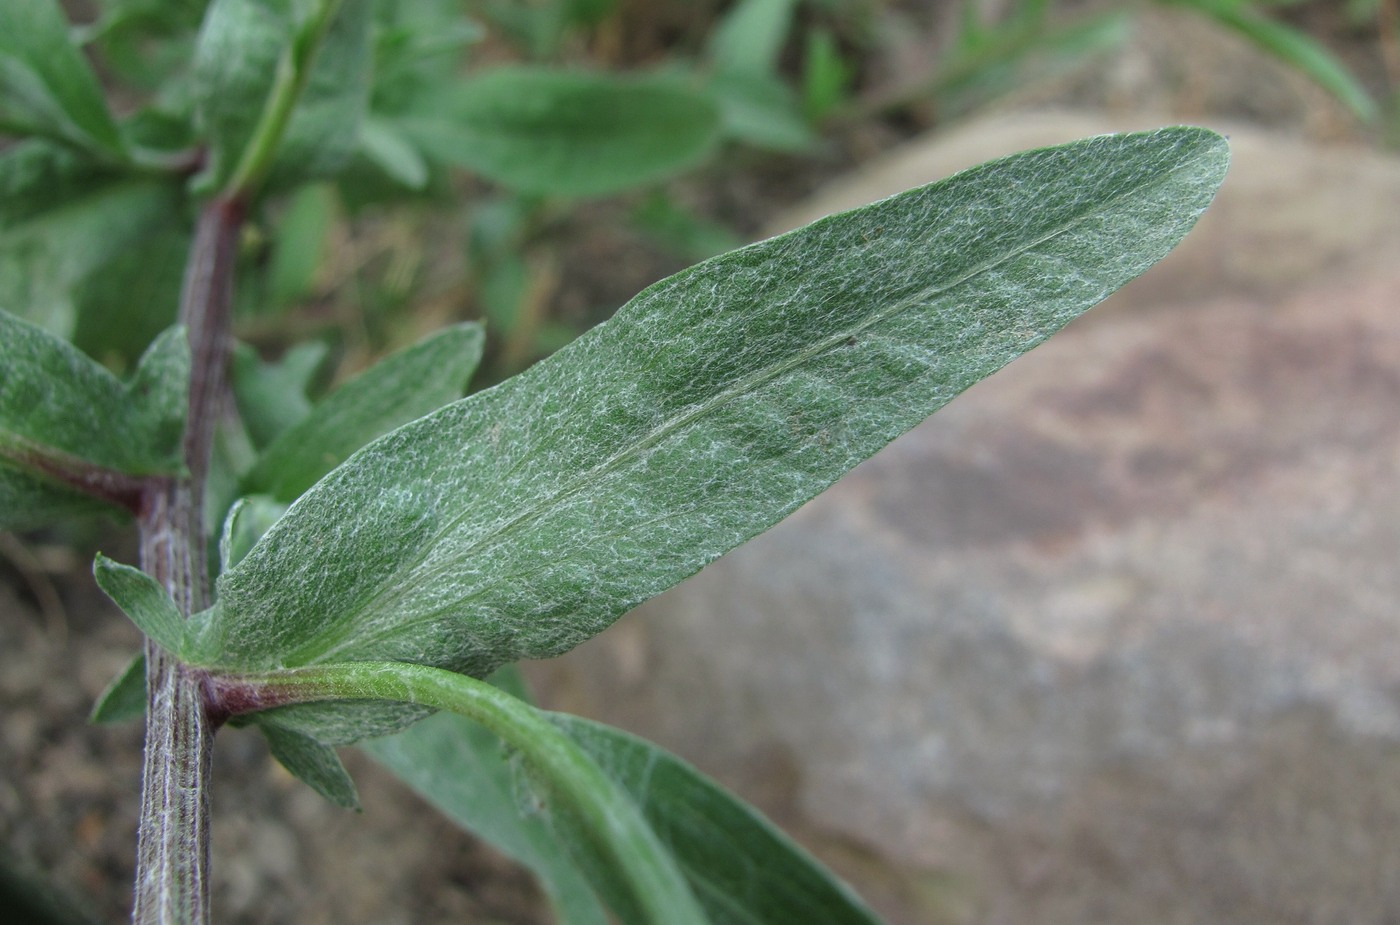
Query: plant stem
(610, 820)
(172, 862)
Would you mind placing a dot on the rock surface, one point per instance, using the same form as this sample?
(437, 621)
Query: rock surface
(1115, 636)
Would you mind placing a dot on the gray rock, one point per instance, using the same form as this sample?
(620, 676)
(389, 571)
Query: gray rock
(1114, 636)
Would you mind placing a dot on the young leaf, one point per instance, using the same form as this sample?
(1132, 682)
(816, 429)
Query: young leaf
(404, 386)
(566, 133)
(311, 762)
(144, 601)
(125, 697)
(69, 428)
(280, 86)
(523, 520)
(741, 867)
(324, 131)
(46, 88)
(463, 771)
(271, 397)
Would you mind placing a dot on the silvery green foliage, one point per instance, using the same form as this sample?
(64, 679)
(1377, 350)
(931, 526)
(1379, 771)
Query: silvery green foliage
(64, 417)
(523, 520)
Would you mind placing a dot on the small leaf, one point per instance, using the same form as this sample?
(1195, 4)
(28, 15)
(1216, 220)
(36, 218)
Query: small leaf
(272, 396)
(299, 243)
(247, 521)
(740, 866)
(46, 88)
(144, 601)
(404, 386)
(312, 763)
(463, 771)
(761, 111)
(749, 38)
(524, 519)
(124, 699)
(69, 424)
(566, 133)
(385, 146)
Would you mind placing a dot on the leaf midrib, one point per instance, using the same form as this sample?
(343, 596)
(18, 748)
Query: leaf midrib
(325, 646)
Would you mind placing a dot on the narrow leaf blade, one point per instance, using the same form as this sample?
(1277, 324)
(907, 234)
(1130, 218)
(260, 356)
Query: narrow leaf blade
(398, 389)
(463, 771)
(740, 866)
(124, 698)
(45, 85)
(143, 600)
(316, 765)
(525, 519)
(567, 133)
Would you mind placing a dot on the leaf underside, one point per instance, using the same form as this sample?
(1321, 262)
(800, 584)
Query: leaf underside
(523, 520)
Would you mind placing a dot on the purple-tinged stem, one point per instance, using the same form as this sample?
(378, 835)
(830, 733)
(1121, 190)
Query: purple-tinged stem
(172, 860)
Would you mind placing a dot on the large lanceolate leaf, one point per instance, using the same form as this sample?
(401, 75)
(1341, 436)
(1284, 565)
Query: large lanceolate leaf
(567, 133)
(521, 521)
(72, 434)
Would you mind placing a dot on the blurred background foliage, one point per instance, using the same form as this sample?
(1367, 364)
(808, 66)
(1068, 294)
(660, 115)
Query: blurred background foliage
(661, 132)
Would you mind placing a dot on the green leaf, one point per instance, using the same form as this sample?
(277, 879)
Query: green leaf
(749, 38)
(740, 866)
(523, 520)
(271, 397)
(761, 111)
(46, 88)
(566, 133)
(1294, 48)
(312, 763)
(299, 243)
(248, 519)
(404, 386)
(385, 146)
(123, 307)
(70, 428)
(324, 131)
(144, 601)
(463, 771)
(124, 699)
(280, 87)
(61, 220)
(570, 782)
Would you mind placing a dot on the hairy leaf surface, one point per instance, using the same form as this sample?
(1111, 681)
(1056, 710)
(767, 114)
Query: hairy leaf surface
(64, 418)
(523, 520)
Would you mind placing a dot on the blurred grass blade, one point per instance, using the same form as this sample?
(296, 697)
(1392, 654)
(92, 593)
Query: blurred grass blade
(523, 520)
(1292, 47)
(749, 37)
